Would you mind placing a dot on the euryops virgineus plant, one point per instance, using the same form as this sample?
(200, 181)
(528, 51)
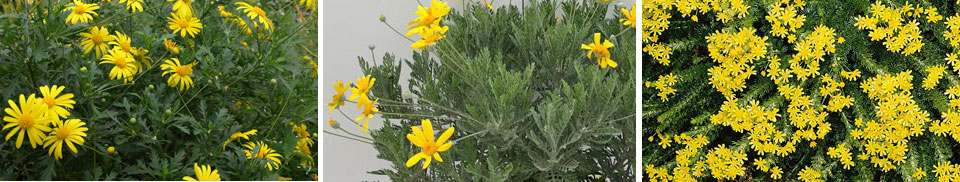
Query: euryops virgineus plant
(158, 90)
(800, 90)
(500, 93)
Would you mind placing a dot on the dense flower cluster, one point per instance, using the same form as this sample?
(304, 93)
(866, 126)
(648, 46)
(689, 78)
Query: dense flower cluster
(685, 158)
(43, 120)
(725, 164)
(784, 18)
(946, 171)
(758, 122)
(810, 121)
(809, 175)
(952, 34)
(665, 85)
(950, 125)
(934, 73)
(659, 52)
(811, 51)
(734, 51)
(656, 19)
(427, 24)
(898, 119)
(892, 26)
(843, 153)
(831, 88)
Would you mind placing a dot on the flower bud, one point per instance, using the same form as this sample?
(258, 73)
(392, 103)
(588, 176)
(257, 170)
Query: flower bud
(83, 69)
(273, 81)
(334, 124)
(133, 120)
(371, 46)
(383, 18)
(168, 111)
(150, 87)
(111, 149)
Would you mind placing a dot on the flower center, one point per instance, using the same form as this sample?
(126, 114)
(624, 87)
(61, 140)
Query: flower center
(26, 121)
(120, 61)
(259, 12)
(184, 23)
(430, 147)
(262, 153)
(50, 102)
(183, 70)
(63, 133)
(97, 39)
(79, 10)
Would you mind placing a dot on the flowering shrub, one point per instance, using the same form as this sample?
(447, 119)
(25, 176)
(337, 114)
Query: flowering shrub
(804, 90)
(541, 93)
(158, 90)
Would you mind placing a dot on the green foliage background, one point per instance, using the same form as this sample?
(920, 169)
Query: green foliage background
(517, 83)
(151, 143)
(689, 110)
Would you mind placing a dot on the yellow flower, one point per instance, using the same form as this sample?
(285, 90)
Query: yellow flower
(315, 68)
(181, 73)
(69, 132)
(775, 172)
(182, 7)
(934, 73)
(367, 113)
(920, 173)
(850, 75)
(785, 18)
(842, 152)
(809, 175)
(660, 52)
(629, 18)
(57, 104)
(262, 151)
(122, 42)
(96, 39)
(601, 50)
(134, 5)
(203, 174)
(244, 135)
(430, 35)
(487, 3)
(338, 97)
(184, 24)
(28, 118)
(664, 142)
(726, 164)
(310, 4)
(255, 14)
(111, 149)
(734, 51)
(171, 46)
(427, 16)
(80, 12)
(363, 86)
(423, 137)
(123, 68)
(281, 178)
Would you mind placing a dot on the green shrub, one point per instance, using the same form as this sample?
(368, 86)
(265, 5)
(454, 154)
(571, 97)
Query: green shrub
(138, 127)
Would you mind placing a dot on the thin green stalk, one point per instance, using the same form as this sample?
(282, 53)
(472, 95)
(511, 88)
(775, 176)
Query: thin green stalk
(334, 134)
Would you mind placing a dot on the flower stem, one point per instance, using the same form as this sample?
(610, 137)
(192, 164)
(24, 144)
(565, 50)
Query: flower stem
(334, 134)
(398, 32)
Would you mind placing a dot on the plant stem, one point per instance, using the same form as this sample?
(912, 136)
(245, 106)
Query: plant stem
(334, 134)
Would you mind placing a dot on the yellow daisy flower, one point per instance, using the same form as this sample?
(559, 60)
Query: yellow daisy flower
(310, 4)
(360, 91)
(182, 73)
(184, 24)
(601, 50)
(57, 104)
(203, 173)
(122, 42)
(134, 5)
(80, 12)
(124, 66)
(69, 132)
(367, 113)
(255, 14)
(28, 118)
(244, 135)
(262, 151)
(338, 97)
(427, 16)
(423, 137)
(182, 7)
(96, 39)
(171, 46)
(430, 36)
(629, 17)
(111, 150)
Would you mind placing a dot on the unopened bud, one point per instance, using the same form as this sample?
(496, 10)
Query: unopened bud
(133, 120)
(383, 18)
(273, 81)
(83, 69)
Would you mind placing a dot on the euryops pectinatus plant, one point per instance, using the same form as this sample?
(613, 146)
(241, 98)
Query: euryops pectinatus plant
(500, 93)
(801, 90)
(158, 90)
